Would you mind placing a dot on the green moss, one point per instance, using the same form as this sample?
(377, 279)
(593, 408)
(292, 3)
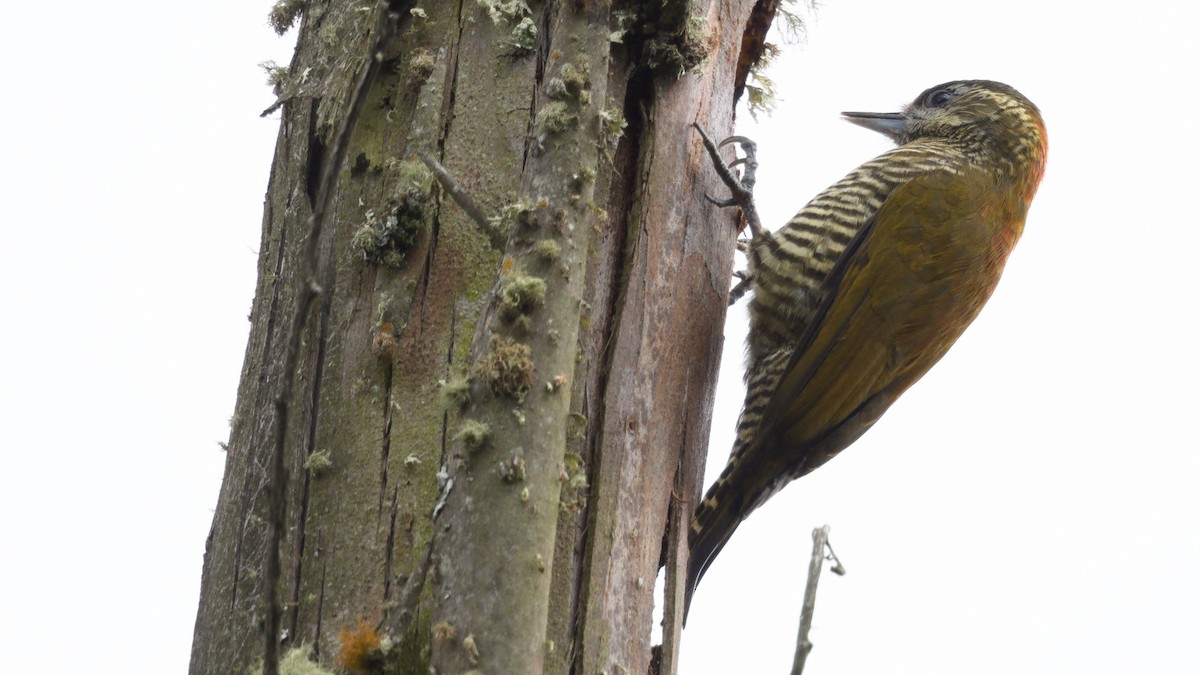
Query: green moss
(679, 51)
(507, 368)
(473, 433)
(673, 39)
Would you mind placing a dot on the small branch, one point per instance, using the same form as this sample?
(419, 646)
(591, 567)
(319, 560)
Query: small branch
(820, 543)
(464, 201)
(406, 602)
(276, 105)
(307, 290)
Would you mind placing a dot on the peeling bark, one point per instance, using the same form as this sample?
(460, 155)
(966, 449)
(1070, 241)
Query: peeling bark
(538, 549)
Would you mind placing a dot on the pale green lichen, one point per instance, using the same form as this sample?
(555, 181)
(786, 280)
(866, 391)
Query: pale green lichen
(570, 93)
(456, 391)
(386, 239)
(501, 11)
(523, 37)
(285, 13)
(556, 117)
(612, 124)
(277, 76)
(318, 463)
(444, 631)
(520, 293)
(471, 649)
(297, 661)
(522, 213)
(674, 40)
(760, 89)
(473, 434)
(571, 83)
(512, 470)
(547, 249)
(626, 21)
(420, 66)
(573, 494)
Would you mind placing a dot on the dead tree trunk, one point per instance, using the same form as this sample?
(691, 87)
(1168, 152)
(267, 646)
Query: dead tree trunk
(497, 429)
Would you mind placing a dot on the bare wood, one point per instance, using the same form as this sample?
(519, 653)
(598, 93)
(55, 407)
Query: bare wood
(307, 291)
(637, 301)
(494, 573)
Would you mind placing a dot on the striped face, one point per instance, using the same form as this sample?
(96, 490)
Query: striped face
(990, 122)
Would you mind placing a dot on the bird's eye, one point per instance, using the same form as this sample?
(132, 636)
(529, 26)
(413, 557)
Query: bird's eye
(939, 98)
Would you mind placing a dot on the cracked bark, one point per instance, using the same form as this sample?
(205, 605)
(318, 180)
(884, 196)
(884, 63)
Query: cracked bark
(555, 581)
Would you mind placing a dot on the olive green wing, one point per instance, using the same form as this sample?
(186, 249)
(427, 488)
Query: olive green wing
(893, 306)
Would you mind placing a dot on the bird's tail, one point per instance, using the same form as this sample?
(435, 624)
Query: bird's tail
(712, 525)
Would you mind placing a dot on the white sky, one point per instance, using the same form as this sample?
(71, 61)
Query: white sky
(1028, 507)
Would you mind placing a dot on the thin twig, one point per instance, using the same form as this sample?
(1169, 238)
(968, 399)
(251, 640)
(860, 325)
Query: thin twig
(307, 290)
(820, 543)
(406, 601)
(463, 198)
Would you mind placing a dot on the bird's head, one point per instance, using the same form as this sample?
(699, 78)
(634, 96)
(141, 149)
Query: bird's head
(989, 121)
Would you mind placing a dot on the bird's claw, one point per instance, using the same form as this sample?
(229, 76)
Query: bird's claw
(739, 289)
(742, 189)
(749, 160)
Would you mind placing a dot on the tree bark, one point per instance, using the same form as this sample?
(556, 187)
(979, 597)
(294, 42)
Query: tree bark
(520, 526)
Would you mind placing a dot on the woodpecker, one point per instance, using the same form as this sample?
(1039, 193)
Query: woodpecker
(864, 289)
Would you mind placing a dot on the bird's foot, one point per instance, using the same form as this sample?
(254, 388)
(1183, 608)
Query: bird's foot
(739, 289)
(742, 190)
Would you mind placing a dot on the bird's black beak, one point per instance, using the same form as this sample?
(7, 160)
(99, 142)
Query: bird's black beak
(891, 125)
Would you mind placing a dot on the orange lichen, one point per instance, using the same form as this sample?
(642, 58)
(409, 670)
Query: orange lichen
(360, 647)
